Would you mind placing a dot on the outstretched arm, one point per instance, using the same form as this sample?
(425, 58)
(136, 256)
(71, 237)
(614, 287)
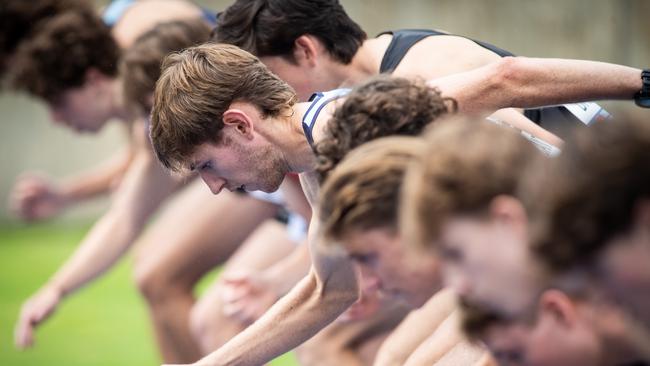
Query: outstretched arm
(328, 289)
(144, 186)
(523, 82)
(37, 197)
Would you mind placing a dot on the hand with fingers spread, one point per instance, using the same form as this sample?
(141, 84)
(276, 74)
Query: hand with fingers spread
(35, 197)
(33, 312)
(247, 295)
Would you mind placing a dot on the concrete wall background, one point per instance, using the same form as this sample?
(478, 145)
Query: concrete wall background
(605, 30)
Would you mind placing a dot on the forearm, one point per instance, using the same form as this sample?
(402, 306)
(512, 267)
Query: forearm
(144, 187)
(514, 118)
(298, 316)
(97, 181)
(104, 245)
(534, 82)
(286, 273)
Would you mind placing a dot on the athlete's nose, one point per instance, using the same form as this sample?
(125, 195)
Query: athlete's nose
(215, 184)
(460, 284)
(369, 279)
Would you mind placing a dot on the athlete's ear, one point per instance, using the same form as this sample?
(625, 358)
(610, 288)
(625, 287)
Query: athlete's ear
(559, 307)
(305, 50)
(239, 122)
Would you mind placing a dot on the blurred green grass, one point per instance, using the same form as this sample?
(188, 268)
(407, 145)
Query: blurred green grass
(103, 324)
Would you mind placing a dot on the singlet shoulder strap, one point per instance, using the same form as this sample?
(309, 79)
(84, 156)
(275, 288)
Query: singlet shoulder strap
(404, 39)
(318, 101)
(115, 10)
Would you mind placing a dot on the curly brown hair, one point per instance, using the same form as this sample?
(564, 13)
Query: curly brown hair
(270, 27)
(19, 19)
(362, 192)
(382, 106)
(140, 65)
(596, 184)
(58, 56)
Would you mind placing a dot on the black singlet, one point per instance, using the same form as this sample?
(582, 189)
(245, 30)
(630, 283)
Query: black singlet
(557, 119)
(404, 39)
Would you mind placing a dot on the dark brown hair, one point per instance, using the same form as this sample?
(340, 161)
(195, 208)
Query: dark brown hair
(362, 192)
(197, 86)
(589, 194)
(58, 56)
(382, 106)
(20, 19)
(270, 27)
(140, 65)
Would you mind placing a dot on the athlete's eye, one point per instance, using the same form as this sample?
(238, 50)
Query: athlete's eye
(365, 259)
(451, 253)
(205, 166)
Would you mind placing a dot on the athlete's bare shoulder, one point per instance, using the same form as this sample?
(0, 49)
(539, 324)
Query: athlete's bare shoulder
(442, 55)
(145, 14)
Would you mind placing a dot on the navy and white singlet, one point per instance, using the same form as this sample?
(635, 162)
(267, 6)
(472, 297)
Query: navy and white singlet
(318, 102)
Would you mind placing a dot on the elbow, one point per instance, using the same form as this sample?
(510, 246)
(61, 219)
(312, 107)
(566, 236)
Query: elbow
(511, 79)
(506, 72)
(337, 293)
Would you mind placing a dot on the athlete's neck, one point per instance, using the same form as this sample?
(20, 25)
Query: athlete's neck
(289, 137)
(366, 61)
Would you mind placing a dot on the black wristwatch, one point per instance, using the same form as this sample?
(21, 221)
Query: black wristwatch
(642, 97)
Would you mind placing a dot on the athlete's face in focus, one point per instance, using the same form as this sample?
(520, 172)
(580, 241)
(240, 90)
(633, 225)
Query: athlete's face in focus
(485, 260)
(86, 108)
(238, 164)
(384, 261)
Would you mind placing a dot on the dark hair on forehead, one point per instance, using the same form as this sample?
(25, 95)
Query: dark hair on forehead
(270, 27)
